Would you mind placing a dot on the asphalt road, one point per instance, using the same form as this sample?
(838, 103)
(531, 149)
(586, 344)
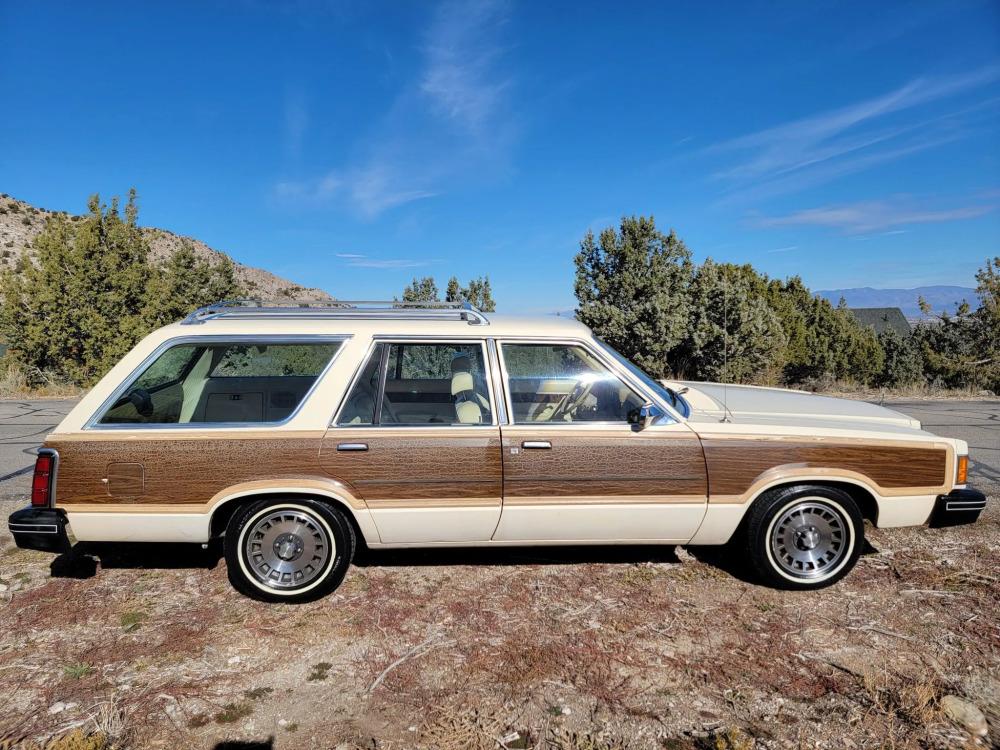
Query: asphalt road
(24, 424)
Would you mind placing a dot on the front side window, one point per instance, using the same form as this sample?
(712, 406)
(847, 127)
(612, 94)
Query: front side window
(230, 382)
(420, 384)
(559, 383)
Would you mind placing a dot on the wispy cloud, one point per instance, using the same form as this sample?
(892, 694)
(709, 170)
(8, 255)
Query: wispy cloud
(451, 124)
(872, 216)
(827, 145)
(358, 260)
(784, 249)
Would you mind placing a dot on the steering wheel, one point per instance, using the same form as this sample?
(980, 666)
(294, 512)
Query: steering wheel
(141, 400)
(572, 400)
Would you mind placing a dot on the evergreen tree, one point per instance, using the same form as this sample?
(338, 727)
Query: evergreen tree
(80, 307)
(632, 289)
(903, 363)
(421, 290)
(185, 282)
(733, 335)
(91, 294)
(479, 293)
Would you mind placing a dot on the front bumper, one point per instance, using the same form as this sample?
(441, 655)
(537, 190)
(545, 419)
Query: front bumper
(957, 507)
(39, 528)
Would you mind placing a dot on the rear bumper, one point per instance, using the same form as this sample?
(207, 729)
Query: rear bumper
(40, 529)
(957, 507)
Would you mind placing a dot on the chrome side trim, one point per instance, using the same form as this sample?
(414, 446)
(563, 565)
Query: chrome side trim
(497, 382)
(34, 528)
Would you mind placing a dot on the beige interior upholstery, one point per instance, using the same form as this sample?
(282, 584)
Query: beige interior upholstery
(467, 410)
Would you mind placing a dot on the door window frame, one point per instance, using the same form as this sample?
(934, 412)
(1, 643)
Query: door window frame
(615, 368)
(496, 411)
(94, 423)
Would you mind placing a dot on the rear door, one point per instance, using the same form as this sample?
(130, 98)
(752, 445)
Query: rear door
(575, 469)
(417, 437)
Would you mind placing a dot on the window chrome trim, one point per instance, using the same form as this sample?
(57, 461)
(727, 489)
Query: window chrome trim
(389, 340)
(670, 415)
(497, 376)
(238, 339)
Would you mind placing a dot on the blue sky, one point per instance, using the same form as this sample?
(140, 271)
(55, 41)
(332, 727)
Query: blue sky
(353, 145)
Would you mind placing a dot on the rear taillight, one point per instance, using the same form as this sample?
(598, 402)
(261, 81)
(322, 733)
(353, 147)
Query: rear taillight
(41, 481)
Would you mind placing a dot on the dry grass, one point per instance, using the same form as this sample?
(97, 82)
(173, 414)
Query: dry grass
(549, 649)
(19, 382)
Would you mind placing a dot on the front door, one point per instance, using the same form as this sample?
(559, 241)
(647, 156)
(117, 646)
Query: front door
(575, 469)
(418, 440)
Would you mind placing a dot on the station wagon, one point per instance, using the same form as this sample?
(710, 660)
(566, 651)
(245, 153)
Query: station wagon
(296, 434)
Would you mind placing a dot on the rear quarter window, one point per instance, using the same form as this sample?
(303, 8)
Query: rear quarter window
(222, 383)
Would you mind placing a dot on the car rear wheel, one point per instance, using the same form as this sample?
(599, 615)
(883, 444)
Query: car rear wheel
(288, 549)
(804, 537)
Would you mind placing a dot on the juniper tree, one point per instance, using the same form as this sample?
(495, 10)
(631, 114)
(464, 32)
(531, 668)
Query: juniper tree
(733, 335)
(632, 289)
(479, 293)
(185, 282)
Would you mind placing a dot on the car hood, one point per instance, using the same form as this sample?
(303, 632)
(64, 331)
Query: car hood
(745, 403)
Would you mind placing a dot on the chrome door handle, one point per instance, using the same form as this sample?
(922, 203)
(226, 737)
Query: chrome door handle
(348, 447)
(537, 444)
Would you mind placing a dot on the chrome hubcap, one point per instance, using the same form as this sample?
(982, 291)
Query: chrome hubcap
(809, 539)
(287, 548)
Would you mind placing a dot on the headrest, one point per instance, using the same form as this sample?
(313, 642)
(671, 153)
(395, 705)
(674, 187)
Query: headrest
(461, 382)
(460, 362)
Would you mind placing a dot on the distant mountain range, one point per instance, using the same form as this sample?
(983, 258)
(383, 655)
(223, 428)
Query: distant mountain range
(941, 298)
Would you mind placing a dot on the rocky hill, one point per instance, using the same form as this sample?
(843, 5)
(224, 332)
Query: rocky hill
(20, 222)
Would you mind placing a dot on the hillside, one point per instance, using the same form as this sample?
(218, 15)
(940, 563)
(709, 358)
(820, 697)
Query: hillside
(941, 298)
(20, 222)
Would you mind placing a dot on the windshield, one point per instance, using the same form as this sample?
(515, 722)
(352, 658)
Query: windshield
(669, 395)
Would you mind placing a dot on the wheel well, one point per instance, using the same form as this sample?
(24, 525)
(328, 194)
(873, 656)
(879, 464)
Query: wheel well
(865, 500)
(224, 513)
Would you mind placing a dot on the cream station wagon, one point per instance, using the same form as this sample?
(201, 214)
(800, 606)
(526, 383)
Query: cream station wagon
(295, 434)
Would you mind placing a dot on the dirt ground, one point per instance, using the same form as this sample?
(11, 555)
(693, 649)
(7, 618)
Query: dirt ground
(553, 648)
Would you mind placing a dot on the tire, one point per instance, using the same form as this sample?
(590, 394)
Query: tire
(803, 537)
(289, 550)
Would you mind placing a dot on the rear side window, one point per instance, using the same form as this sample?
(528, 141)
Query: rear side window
(222, 383)
(421, 384)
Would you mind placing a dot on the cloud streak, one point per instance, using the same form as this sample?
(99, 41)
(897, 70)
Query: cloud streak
(358, 260)
(875, 216)
(450, 125)
(822, 147)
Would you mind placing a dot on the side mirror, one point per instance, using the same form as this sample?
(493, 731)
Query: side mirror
(645, 415)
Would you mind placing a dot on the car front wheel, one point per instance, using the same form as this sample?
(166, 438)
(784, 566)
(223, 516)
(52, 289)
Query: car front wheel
(288, 550)
(804, 537)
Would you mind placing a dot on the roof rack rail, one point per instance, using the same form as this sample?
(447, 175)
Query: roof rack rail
(339, 309)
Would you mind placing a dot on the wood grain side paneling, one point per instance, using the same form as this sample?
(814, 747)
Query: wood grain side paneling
(433, 467)
(178, 471)
(621, 466)
(734, 465)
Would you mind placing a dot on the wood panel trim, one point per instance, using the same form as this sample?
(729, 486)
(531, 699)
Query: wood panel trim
(616, 500)
(888, 469)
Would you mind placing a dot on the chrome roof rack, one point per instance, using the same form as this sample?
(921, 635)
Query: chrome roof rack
(241, 309)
